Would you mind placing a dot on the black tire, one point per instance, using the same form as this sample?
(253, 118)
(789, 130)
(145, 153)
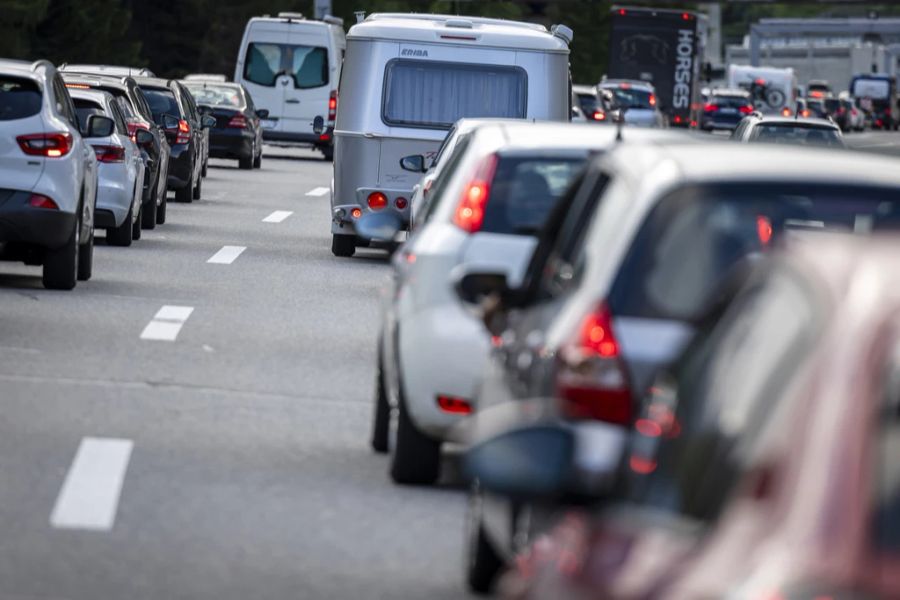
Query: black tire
(257, 162)
(198, 189)
(246, 162)
(148, 214)
(185, 194)
(381, 420)
(327, 152)
(161, 210)
(416, 459)
(86, 259)
(343, 245)
(136, 228)
(61, 264)
(483, 564)
(121, 235)
(205, 169)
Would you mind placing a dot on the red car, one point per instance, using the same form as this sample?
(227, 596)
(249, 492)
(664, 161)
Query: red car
(766, 462)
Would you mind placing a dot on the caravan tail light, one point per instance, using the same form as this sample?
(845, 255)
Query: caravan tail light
(376, 200)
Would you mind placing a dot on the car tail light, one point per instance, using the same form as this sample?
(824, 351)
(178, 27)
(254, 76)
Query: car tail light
(711, 108)
(377, 200)
(652, 100)
(454, 405)
(401, 203)
(51, 145)
(41, 201)
(599, 115)
(785, 112)
(238, 121)
(78, 86)
(332, 106)
(878, 122)
(469, 215)
(677, 118)
(805, 113)
(109, 154)
(764, 229)
(591, 379)
(746, 109)
(183, 135)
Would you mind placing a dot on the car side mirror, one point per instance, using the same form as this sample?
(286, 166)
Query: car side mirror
(207, 121)
(170, 121)
(473, 287)
(414, 163)
(548, 459)
(143, 137)
(318, 125)
(99, 126)
(263, 113)
(379, 226)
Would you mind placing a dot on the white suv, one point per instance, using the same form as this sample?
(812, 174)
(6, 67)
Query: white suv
(48, 175)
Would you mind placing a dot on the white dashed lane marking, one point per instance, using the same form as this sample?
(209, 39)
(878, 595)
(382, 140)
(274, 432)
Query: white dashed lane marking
(166, 324)
(226, 255)
(278, 216)
(319, 191)
(90, 493)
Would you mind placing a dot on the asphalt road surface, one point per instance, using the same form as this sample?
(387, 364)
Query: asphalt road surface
(180, 428)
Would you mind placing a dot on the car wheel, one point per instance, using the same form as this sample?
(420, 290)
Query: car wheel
(327, 152)
(381, 420)
(246, 162)
(148, 214)
(185, 194)
(343, 245)
(121, 235)
(198, 189)
(483, 564)
(161, 210)
(257, 162)
(136, 227)
(205, 169)
(86, 259)
(416, 459)
(61, 264)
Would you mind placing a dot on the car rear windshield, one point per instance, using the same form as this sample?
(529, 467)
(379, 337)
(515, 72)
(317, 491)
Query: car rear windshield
(832, 104)
(84, 109)
(796, 133)
(525, 190)
(588, 103)
(693, 238)
(162, 102)
(306, 65)
(628, 97)
(216, 95)
(437, 94)
(730, 101)
(19, 98)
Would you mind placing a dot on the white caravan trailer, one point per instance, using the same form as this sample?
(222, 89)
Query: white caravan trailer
(408, 78)
(772, 90)
(291, 67)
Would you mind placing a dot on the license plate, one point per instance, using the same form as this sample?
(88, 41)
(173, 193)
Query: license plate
(268, 123)
(728, 111)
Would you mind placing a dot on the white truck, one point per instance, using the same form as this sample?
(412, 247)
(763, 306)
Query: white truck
(772, 90)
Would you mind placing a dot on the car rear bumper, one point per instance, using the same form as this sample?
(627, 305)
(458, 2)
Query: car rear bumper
(114, 196)
(290, 137)
(236, 143)
(20, 222)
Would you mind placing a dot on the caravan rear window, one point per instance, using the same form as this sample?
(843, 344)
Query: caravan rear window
(307, 65)
(437, 94)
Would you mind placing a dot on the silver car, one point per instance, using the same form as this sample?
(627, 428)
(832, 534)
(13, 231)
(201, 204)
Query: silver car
(637, 99)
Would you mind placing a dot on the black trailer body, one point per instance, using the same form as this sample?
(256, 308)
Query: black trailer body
(664, 48)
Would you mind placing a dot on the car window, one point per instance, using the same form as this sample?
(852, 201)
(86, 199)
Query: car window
(628, 97)
(307, 65)
(695, 236)
(189, 107)
(216, 95)
(119, 118)
(448, 143)
(525, 189)
(727, 394)
(63, 101)
(125, 106)
(730, 101)
(790, 133)
(19, 98)
(162, 101)
(440, 182)
(437, 94)
(84, 109)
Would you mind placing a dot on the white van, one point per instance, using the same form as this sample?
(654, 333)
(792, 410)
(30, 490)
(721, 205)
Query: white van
(409, 77)
(291, 67)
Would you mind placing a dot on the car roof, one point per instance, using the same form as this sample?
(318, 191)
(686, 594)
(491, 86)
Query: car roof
(584, 89)
(804, 122)
(114, 70)
(725, 161)
(437, 28)
(95, 80)
(25, 68)
(730, 92)
(92, 94)
(549, 135)
(153, 81)
(635, 83)
(210, 82)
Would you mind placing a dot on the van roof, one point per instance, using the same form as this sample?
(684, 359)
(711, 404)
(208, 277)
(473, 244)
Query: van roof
(462, 30)
(295, 20)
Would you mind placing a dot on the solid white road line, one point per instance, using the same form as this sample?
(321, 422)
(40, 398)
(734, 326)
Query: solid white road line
(319, 191)
(90, 493)
(226, 255)
(166, 324)
(278, 216)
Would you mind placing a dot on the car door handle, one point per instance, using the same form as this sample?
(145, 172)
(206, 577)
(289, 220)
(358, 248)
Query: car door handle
(292, 101)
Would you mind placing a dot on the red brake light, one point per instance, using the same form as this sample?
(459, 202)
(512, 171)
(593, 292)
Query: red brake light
(817, 94)
(710, 108)
(599, 115)
(678, 118)
(591, 379)
(377, 200)
(332, 105)
(454, 405)
(401, 203)
(238, 121)
(785, 112)
(109, 154)
(50, 145)
(764, 230)
(622, 11)
(469, 214)
(183, 132)
(652, 100)
(686, 16)
(804, 113)
(41, 201)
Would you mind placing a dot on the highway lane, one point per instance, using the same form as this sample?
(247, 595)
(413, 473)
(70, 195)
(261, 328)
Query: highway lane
(221, 452)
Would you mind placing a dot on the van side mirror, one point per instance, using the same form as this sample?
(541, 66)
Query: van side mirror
(143, 137)
(414, 163)
(318, 125)
(99, 126)
(263, 113)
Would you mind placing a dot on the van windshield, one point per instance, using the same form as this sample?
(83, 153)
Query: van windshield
(306, 65)
(437, 94)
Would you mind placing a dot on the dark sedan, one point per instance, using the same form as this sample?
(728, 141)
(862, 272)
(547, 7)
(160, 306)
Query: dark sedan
(237, 133)
(174, 109)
